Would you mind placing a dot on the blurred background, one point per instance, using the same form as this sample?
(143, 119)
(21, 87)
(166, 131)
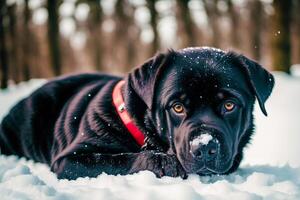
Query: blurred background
(46, 38)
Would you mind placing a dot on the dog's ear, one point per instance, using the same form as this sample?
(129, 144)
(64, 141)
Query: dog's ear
(143, 78)
(261, 81)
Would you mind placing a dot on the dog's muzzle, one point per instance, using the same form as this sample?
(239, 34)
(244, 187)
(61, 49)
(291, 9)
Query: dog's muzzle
(209, 151)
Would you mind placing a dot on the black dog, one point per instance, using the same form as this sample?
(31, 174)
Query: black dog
(189, 111)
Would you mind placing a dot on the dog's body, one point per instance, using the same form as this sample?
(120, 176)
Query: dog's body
(72, 125)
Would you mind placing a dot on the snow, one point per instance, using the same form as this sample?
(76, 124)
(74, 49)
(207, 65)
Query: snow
(270, 170)
(277, 137)
(20, 179)
(203, 48)
(202, 139)
(14, 93)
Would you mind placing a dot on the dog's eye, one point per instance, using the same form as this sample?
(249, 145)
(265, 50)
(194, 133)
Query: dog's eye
(229, 106)
(178, 108)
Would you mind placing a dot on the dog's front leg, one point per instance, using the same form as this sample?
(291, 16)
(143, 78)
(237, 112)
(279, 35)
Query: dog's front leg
(93, 164)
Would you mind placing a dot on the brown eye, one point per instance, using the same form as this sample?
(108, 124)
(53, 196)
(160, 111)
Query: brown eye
(178, 108)
(229, 106)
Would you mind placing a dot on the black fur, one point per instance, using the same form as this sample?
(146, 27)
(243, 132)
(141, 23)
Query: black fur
(70, 122)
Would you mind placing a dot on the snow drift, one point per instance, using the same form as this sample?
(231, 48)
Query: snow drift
(270, 170)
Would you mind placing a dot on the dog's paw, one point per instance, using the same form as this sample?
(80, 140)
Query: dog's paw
(172, 167)
(160, 164)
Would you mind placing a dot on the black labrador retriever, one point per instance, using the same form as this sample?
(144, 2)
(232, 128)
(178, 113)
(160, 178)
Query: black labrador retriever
(181, 112)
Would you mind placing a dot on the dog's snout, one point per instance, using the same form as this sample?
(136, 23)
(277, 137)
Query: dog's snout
(204, 147)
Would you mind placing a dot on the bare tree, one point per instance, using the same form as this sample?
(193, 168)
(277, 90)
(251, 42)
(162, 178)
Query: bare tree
(53, 36)
(94, 26)
(153, 22)
(26, 42)
(297, 27)
(13, 47)
(256, 21)
(212, 12)
(3, 48)
(234, 18)
(125, 28)
(185, 23)
(96, 18)
(280, 40)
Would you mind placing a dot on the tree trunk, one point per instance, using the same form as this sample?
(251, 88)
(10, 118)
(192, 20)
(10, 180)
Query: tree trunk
(280, 40)
(26, 42)
(3, 49)
(297, 23)
(96, 32)
(153, 22)
(53, 36)
(256, 18)
(234, 18)
(126, 29)
(186, 23)
(14, 53)
(212, 13)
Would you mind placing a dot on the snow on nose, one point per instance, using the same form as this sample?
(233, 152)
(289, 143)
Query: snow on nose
(202, 139)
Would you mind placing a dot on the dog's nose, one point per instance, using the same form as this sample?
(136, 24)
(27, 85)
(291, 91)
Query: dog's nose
(204, 147)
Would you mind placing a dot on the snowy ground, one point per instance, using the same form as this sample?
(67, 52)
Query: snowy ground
(270, 170)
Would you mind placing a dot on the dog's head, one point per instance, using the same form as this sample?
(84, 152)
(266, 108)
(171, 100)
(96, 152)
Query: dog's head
(201, 100)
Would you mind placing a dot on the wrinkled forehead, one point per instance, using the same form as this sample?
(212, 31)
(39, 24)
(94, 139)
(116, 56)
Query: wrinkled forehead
(204, 73)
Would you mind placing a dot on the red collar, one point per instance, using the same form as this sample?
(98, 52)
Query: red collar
(124, 115)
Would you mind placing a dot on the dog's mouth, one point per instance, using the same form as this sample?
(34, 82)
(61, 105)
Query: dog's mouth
(204, 171)
(208, 169)
(207, 166)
